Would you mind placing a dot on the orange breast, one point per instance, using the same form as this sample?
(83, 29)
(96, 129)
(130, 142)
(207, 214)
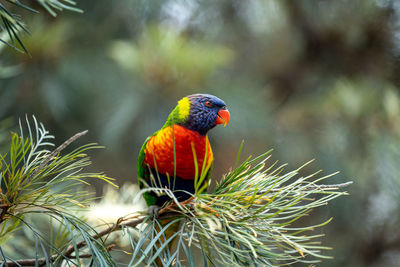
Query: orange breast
(159, 152)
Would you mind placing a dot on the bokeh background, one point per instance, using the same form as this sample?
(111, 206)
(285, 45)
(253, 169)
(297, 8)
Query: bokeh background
(310, 79)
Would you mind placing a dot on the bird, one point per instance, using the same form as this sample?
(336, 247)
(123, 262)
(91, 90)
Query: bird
(178, 155)
(180, 152)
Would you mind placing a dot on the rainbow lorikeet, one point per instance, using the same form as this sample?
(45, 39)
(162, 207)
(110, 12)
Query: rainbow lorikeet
(168, 157)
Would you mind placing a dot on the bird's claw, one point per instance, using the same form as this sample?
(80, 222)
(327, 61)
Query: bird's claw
(154, 210)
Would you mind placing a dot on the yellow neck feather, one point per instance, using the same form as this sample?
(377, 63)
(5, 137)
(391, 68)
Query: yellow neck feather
(184, 108)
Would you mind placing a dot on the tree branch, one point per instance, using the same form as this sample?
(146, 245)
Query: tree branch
(70, 249)
(56, 151)
(68, 252)
(329, 186)
(40, 261)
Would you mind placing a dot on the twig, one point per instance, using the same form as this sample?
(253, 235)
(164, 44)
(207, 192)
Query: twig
(329, 186)
(336, 185)
(320, 186)
(110, 229)
(40, 261)
(4, 207)
(68, 252)
(56, 151)
(70, 249)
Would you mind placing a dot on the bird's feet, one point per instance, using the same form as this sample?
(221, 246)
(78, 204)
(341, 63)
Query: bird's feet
(154, 210)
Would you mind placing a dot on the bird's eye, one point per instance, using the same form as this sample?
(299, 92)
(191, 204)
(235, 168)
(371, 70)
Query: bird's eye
(208, 103)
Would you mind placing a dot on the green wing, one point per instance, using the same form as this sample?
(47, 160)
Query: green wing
(144, 174)
(142, 171)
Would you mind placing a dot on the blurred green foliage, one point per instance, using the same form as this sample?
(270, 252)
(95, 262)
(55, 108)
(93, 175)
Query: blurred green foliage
(311, 79)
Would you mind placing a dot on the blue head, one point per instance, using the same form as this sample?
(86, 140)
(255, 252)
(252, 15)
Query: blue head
(205, 112)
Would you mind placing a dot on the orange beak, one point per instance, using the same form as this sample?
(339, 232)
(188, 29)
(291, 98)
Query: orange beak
(223, 117)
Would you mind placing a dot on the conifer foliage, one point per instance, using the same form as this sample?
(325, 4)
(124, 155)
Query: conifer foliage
(253, 217)
(12, 26)
(250, 218)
